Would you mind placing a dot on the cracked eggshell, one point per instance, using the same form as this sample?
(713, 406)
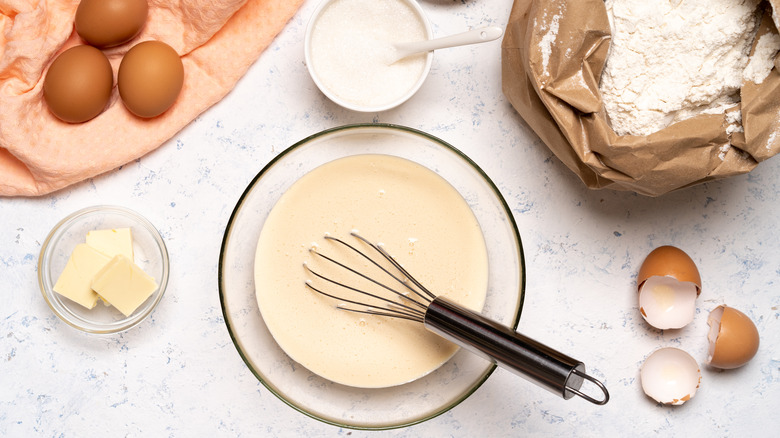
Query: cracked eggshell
(733, 338)
(668, 284)
(670, 376)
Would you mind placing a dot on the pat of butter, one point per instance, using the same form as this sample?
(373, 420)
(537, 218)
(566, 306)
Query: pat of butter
(123, 284)
(76, 279)
(112, 242)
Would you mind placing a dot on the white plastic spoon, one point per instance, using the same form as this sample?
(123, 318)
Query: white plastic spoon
(481, 35)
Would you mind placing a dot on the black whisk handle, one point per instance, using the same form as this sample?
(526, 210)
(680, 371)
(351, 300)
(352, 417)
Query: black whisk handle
(524, 356)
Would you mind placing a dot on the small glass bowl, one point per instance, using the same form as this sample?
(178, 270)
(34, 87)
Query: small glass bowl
(332, 95)
(150, 252)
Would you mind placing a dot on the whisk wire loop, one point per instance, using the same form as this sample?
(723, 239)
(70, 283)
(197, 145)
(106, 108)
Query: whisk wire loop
(426, 296)
(405, 311)
(392, 313)
(430, 296)
(416, 305)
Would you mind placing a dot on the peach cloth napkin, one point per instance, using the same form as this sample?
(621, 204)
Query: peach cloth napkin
(217, 40)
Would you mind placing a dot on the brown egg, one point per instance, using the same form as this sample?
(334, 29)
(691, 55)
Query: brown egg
(150, 78)
(108, 23)
(668, 284)
(670, 261)
(733, 338)
(78, 84)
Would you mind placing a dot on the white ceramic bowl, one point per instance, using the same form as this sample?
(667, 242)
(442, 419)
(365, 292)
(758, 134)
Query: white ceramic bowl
(334, 94)
(344, 406)
(151, 255)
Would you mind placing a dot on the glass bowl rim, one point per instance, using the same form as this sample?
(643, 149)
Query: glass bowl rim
(272, 163)
(55, 233)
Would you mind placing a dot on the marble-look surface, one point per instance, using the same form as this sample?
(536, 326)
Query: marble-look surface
(178, 373)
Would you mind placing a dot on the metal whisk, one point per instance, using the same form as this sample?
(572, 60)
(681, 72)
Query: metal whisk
(524, 356)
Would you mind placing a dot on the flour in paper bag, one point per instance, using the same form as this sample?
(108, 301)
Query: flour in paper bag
(671, 60)
(762, 59)
(546, 44)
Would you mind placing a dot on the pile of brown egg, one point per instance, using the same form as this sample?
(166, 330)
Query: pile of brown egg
(79, 81)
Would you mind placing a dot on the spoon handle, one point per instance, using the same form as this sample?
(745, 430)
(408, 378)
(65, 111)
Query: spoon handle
(473, 36)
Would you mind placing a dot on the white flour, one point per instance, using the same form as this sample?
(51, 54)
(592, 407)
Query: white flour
(674, 59)
(734, 122)
(545, 45)
(763, 58)
(550, 28)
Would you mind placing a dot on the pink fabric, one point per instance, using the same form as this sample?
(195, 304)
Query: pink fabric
(217, 39)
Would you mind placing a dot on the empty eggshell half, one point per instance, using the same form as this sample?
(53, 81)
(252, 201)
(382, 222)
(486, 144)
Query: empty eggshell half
(670, 376)
(668, 284)
(733, 338)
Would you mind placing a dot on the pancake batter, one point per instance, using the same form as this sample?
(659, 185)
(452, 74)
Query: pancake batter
(420, 219)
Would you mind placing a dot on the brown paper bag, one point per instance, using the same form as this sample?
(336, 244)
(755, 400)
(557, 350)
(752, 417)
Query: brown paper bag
(553, 53)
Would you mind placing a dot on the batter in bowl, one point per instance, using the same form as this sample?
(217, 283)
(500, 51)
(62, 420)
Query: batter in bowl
(420, 219)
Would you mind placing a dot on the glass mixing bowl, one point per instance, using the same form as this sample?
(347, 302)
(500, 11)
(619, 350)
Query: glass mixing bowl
(150, 252)
(344, 406)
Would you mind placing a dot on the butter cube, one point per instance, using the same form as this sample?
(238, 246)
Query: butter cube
(75, 281)
(112, 242)
(123, 284)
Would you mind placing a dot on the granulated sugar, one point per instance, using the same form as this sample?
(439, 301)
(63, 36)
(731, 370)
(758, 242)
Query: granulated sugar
(352, 50)
(672, 60)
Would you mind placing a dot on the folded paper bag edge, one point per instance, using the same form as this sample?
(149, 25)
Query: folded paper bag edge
(521, 94)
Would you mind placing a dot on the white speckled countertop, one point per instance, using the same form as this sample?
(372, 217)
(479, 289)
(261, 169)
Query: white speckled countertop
(179, 374)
